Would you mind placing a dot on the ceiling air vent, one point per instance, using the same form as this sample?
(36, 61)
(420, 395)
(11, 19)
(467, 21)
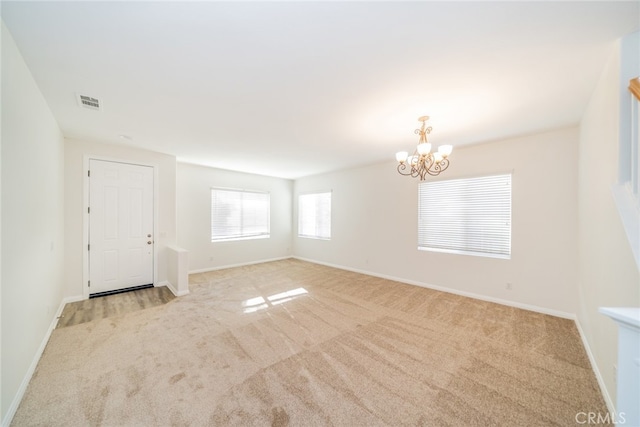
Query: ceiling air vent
(89, 102)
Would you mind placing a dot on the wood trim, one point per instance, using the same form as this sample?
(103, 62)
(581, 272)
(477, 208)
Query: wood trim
(634, 87)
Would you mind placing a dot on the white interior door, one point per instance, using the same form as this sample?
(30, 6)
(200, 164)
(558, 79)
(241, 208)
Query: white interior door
(120, 226)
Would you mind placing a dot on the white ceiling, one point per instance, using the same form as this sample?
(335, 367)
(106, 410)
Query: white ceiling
(291, 89)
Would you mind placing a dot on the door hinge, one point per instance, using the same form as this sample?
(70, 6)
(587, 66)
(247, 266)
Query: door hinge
(89, 209)
(89, 247)
(89, 283)
(89, 173)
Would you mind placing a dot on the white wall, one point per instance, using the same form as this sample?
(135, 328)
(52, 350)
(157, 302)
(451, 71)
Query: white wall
(608, 275)
(374, 223)
(194, 218)
(32, 220)
(75, 207)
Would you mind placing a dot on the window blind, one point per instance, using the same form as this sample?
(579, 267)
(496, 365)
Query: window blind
(314, 215)
(469, 216)
(237, 214)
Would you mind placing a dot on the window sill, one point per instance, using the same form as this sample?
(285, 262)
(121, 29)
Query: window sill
(314, 238)
(456, 252)
(233, 239)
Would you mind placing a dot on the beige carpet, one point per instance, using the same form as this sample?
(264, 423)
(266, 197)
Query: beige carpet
(293, 343)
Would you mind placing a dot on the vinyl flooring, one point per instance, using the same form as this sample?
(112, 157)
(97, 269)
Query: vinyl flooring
(112, 305)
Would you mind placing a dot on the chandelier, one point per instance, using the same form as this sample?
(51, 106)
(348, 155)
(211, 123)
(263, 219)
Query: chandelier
(423, 161)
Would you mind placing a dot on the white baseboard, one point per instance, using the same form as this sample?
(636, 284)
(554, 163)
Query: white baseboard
(34, 363)
(528, 307)
(603, 388)
(222, 267)
(173, 290)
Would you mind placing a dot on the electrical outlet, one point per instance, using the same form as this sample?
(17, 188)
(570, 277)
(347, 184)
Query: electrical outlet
(509, 286)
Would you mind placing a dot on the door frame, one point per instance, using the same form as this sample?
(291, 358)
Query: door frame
(85, 216)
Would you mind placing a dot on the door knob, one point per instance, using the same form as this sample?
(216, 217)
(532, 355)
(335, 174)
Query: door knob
(149, 242)
(148, 235)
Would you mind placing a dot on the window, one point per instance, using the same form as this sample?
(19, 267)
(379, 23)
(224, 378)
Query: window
(626, 192)
(466, 216)
(239, 214)
(634, 159)
(314, 215)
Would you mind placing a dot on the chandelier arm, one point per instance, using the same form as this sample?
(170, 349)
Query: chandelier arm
(402, 167)
(435, 171)
(439, 167)
(417, 172)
